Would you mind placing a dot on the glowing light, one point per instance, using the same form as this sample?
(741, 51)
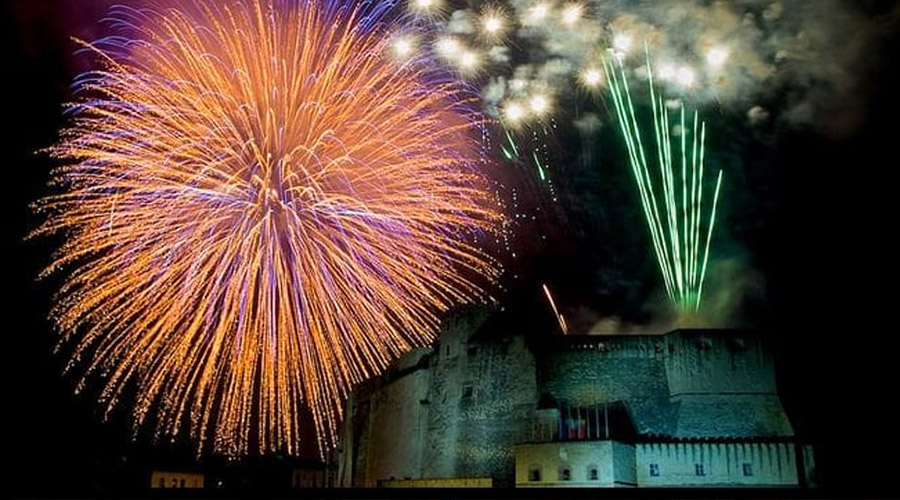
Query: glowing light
(685, 76)
(425, 6)
(539, 104)
(716, 56)
(403, 47)
(518, 84)
(622, 42)
(468, 60)
(493, 24)
(667, 71)
(592, 77)
(448, 47)
(572, 13)
(261, 210)
(514, 112)
(538, 12)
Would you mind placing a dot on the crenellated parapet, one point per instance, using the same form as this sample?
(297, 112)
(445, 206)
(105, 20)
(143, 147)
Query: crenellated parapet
(461, 409)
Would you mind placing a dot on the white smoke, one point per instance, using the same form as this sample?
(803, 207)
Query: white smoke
(797, 60)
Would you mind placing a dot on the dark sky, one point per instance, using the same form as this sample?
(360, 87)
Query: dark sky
(811, 215)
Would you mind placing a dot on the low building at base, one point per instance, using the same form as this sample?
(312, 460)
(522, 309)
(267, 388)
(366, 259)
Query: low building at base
(686, 409)
(169, 479)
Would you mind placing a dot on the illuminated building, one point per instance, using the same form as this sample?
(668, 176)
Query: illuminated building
(688, 408)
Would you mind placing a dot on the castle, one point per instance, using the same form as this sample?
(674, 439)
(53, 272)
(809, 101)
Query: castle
(688, 408)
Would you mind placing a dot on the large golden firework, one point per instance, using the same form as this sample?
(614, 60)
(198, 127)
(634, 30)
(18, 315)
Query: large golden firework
(261, 208)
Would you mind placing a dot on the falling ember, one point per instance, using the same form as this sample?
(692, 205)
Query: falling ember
(261, 210)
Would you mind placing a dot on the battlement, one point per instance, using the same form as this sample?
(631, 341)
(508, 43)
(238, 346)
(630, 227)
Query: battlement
(469, 399)
(649, 345)
(609, 346)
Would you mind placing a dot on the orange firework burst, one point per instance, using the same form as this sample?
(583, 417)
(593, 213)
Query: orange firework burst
(261, 209)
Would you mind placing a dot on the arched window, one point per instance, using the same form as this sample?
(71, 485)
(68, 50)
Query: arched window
(593, 473)
(564, 474)
(534, 473)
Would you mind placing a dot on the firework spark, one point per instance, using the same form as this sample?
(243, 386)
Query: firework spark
(591, 78)
(676, 228)
(261, 208)
(559, 317)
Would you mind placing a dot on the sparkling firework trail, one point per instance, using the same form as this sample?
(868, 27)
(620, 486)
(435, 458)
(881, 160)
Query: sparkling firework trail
(676, 228)
(559, 317)
(261, 208)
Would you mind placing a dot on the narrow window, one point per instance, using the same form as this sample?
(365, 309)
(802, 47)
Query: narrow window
(748, 469)
(468, 391)
(534, 474)
(699, 470)
(654, 470)
(564, 474)
(593, 473)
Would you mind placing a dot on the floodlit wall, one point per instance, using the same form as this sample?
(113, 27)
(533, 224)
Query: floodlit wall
(482, 399)
(575, 464)
(459, 410)
(601, 369)
(397, 428)
(715, 464)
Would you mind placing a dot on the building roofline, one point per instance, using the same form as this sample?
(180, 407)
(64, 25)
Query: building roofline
(685, 332)
(664, 439)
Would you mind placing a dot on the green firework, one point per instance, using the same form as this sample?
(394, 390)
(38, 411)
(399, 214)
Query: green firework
(672, 203)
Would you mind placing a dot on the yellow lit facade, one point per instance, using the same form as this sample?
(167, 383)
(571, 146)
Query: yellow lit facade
(160, 479)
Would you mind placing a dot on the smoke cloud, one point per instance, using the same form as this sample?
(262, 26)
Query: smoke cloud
(797, 61)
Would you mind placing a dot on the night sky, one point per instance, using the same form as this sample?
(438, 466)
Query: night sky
(807, 234)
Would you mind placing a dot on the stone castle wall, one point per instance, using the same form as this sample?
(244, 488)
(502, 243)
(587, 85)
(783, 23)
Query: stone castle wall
(482, 402)
(716, 362)
(725, 464)
(466, 404)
